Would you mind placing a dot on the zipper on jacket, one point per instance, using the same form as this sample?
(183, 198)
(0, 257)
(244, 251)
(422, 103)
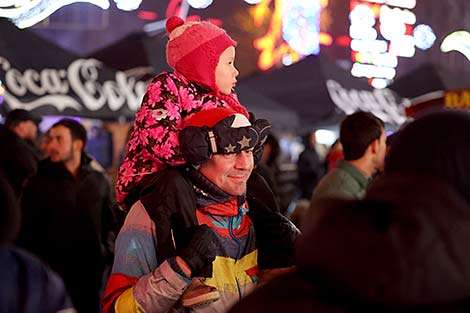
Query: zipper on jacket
(230, 227)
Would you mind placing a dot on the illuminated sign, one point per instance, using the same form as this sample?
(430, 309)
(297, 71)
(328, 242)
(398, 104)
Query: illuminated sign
(381, 31)
(380, 102)
(301, 26)
(70, 87)
(294, 30)
(457, 99)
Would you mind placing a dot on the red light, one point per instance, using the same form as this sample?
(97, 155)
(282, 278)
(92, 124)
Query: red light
(343, 41)
(147, 15)
(409, 29)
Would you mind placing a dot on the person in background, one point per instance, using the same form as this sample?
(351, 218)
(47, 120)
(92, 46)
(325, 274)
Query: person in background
(201, 220)
(26, 284)
(334, 154)
(18, 160)
(203, 58)
(24, 124)
(363, 138)
(309, 167)
(67, 215)
(403, 248)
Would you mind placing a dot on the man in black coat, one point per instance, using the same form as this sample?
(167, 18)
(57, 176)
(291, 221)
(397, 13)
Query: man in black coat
(67, 214)
(309, 166)
(18, 160)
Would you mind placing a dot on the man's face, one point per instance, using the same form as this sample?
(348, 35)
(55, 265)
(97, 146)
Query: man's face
(27, 130)
(229, 172)
(60, 147)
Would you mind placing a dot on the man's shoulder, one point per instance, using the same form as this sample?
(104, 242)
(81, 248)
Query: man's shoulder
(37, 278)
(337, 174)
(15, 144)
(337, 182)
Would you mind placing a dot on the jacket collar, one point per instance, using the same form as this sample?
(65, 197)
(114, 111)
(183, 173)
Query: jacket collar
(354, 172)
(212, 199)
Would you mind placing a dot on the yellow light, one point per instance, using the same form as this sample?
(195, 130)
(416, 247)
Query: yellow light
(325, 39)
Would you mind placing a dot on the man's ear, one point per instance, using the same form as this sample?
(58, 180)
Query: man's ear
(374, 146)
(78, 144)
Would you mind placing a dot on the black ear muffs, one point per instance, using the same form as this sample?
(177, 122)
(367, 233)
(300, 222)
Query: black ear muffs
(194, 144)
(197, 144)
(262, 127)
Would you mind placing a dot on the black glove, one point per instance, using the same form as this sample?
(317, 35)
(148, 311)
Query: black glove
(275, 236)
(200, 250)
(262, 126)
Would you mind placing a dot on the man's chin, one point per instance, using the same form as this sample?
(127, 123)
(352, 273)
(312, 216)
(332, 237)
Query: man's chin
(54, 159)
(236, 191)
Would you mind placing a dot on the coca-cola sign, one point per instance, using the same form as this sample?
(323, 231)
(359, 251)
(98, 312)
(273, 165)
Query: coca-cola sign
(84, 86)
(381, 102)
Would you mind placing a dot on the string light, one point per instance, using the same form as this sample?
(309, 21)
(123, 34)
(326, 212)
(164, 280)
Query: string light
(380, 32)
(27, 13)
(199, 4)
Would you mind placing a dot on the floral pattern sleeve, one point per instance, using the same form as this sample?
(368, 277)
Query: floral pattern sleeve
(157, 122)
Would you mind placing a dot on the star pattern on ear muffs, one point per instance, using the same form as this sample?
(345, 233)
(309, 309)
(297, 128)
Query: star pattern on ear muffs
(197, 144)
(244, 143)
(230, 149)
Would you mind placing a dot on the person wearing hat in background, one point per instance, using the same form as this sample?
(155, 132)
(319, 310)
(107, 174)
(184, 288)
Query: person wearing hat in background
(23, 123)
(67, 215)
(202, 56)
(200, 220)
(19, 157)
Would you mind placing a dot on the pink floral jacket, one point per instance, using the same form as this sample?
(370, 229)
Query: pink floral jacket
(170, 99)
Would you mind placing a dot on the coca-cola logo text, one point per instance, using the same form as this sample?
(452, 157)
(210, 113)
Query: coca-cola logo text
(77, 87)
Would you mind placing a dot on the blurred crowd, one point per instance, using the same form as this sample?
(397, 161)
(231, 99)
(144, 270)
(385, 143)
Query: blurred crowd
(208, 215)
(376, 216)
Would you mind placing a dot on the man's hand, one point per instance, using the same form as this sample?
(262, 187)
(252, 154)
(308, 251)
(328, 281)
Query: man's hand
(200, 250)
(275, 235)
(262, 127)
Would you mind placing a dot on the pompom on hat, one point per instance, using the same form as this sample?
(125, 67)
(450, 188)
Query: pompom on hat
(220, 131)
(194, 49)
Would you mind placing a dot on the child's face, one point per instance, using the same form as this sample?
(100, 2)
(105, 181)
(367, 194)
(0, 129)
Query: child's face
(225, 72)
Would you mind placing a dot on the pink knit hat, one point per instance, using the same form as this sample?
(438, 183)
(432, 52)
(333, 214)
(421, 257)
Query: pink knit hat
(194, 49)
